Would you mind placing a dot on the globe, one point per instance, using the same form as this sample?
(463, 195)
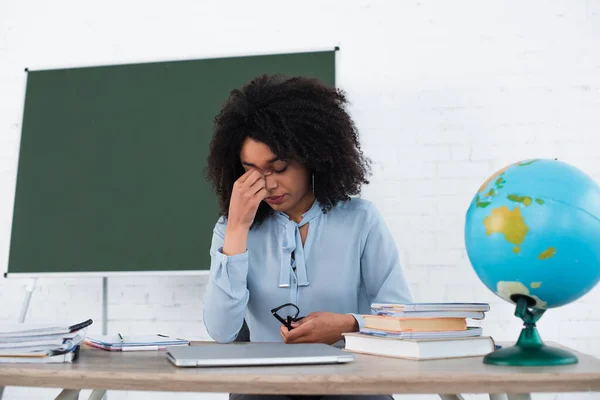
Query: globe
(532, 235)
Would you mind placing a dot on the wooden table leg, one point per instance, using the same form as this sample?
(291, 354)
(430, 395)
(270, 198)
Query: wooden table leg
(68, 394)
(97, 394)
(451, 397)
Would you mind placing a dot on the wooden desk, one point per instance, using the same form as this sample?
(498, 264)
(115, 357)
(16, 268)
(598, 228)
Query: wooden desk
(98, 369)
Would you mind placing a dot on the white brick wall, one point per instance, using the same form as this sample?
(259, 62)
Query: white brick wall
(444, 94)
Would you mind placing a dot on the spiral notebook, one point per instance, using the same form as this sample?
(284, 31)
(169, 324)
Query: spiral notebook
(134, 342)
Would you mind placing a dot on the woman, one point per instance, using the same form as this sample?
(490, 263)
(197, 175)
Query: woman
(284, 161)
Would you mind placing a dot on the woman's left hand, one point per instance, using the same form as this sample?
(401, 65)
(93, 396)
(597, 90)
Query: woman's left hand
(319, 327)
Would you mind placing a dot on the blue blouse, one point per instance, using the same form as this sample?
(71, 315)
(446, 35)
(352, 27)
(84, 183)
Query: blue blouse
(349, 261)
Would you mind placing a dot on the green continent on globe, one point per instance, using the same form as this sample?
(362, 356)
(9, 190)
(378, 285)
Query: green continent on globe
(526, 163)
(509, 223)
(496, 177)
(525, 200)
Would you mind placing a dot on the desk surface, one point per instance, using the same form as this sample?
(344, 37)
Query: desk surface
(100, 369)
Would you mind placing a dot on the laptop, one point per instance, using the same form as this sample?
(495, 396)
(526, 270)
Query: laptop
(247, 354)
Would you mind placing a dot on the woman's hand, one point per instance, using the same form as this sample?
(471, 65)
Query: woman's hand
(248, 191)
(320, 327)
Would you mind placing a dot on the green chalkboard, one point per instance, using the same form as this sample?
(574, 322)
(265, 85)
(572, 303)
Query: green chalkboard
(111, 163)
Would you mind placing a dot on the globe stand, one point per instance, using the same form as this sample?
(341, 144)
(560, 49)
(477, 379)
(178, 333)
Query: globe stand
(529, 350)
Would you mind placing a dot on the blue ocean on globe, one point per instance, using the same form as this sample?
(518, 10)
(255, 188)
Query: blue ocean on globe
(533, 228)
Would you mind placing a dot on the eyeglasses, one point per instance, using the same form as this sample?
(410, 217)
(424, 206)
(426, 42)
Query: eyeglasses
(290, 318)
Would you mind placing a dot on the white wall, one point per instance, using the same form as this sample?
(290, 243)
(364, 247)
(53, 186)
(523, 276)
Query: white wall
(443, 92)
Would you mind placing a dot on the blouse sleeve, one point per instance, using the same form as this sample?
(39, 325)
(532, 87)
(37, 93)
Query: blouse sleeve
(226, 294)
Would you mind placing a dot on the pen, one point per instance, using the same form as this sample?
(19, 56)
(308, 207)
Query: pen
(81, 325)
(120, 337)
(161, 335)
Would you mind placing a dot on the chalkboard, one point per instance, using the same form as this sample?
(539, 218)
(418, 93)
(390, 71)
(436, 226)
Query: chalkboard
(111, 163)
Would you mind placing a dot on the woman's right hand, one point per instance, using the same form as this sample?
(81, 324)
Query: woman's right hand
(248, 191)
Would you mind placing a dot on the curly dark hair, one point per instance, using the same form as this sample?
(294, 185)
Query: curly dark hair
(300, 119)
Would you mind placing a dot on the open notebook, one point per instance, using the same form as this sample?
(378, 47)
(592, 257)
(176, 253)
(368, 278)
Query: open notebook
(134, 342)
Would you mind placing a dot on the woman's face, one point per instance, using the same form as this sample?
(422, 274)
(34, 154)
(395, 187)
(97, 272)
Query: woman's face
(288, 183)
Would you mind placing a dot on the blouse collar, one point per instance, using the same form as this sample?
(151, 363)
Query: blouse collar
(291, 241)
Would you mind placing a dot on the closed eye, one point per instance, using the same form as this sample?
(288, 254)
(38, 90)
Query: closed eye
(268, 171)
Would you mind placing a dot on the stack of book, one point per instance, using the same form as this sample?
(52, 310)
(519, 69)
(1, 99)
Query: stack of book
(422, 331)
(41, 343)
